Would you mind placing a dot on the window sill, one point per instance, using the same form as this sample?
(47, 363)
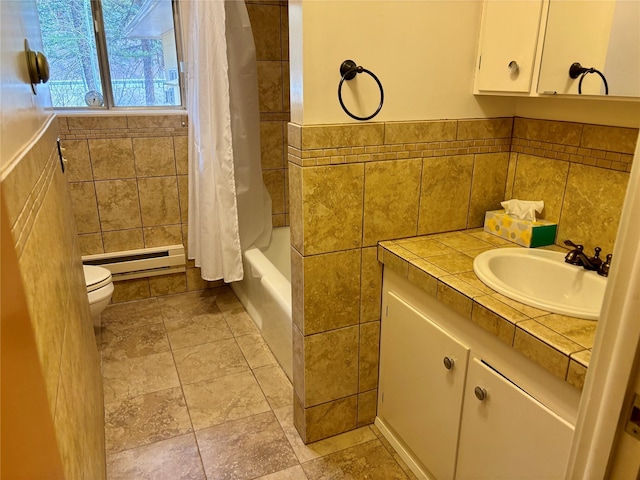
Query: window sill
(72, 112)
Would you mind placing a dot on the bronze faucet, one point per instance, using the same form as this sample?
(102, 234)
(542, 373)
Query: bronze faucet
(595, 263)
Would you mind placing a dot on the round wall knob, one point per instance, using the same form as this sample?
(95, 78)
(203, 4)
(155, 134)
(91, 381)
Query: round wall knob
(448, 363)
(481, 393)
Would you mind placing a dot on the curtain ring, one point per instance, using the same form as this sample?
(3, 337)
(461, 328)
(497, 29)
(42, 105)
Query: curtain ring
(348, 70)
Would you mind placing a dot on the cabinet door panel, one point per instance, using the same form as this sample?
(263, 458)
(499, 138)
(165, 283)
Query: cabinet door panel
(509, 33)
(509, 435)
(420, 398)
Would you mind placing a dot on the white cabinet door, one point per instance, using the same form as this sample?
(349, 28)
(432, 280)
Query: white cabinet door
(509, 435)
(420, 398)
(509, 33)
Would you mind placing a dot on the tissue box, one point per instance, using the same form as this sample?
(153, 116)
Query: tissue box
(522, 232)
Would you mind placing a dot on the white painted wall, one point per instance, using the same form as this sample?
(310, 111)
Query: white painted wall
(22, 114)
(423, 51)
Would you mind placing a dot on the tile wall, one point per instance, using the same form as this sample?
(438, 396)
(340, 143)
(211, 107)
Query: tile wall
(579, 170)
(38, 204)
(128, 173)
(354, 185)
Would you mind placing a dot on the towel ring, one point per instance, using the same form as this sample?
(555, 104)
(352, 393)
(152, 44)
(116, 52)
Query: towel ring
(348, 70)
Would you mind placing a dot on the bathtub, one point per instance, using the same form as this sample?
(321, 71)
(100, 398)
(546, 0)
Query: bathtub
(265, 293)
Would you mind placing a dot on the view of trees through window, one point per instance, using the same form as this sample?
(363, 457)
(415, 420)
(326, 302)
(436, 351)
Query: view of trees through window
(141, 50)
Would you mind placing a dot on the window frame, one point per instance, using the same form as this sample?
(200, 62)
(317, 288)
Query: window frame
(105, 69)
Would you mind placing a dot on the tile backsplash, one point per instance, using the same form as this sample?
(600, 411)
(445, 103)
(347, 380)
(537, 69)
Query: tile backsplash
(356, 184)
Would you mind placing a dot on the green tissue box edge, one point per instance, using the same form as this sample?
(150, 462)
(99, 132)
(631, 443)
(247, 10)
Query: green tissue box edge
(543, 233)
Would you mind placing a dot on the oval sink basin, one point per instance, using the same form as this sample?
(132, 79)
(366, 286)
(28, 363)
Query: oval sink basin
(542, 279)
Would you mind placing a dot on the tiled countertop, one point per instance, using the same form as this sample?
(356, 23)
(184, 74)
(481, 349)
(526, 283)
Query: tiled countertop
(442, 266)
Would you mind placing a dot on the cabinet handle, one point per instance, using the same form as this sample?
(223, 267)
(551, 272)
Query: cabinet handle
(448, 363)
(513, 67)
(481, 393)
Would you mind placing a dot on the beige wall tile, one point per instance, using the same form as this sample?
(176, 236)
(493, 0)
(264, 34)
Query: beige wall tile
(265, 23)
(127, 290)
(82, 122)
(297, 288)
(78, 168)
(274, 181)
(153, 121)
(511, 175)
(120, 240)
(367, 407)
(194, 280)
(444, 197)
(540, 178)
(332, 207)
(331, 365)
(592, 206)
(485, 128)
(284, 24)
(162, 236)
(330, 419)
(298, 364)
(294, 135)
(565, 133)
(488, 185)
(391, 199)
(271, 144)
(295, 207)
(614, 139)
(410, 132)
(269, 86)
(90, 244)
(493, 323)
(371, 285)
(286, 87)
(85, 208)
(154, 156)
(168, 284)
(181, 152)
(118, 204)
(112, 158)
(183, 196)
(159, 203)
(369, 355)
(348, 135)
(331, 291)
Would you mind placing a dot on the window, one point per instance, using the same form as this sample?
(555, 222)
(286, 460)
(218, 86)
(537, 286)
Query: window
(111, 53)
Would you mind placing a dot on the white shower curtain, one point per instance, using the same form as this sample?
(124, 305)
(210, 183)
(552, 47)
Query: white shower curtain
(229, 207)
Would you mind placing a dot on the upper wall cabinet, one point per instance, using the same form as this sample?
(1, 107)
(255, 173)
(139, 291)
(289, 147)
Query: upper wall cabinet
(599, 34)
(507, 47)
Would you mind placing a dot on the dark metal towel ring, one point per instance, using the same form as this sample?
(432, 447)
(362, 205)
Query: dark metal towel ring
(576, 70)
(348, 70)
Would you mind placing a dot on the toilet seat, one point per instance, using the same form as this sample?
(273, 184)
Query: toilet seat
(96, 277)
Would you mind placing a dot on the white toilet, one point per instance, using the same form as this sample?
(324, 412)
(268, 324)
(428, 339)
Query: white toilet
(99, 289)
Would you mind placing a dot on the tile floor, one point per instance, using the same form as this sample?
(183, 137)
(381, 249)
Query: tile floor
(192, 392)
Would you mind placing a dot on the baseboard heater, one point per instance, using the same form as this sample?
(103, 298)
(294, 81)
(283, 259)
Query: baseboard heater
(144, 262)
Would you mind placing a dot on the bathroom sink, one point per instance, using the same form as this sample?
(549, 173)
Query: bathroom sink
(542, 279)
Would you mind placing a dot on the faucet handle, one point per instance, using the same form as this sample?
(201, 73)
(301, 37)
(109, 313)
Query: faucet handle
(569, 243)
(596, 260)
(605, 266)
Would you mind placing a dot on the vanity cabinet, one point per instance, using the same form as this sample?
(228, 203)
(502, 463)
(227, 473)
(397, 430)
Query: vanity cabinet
(424, 371)
(506, 433)
(508, 46)
(456, 405)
